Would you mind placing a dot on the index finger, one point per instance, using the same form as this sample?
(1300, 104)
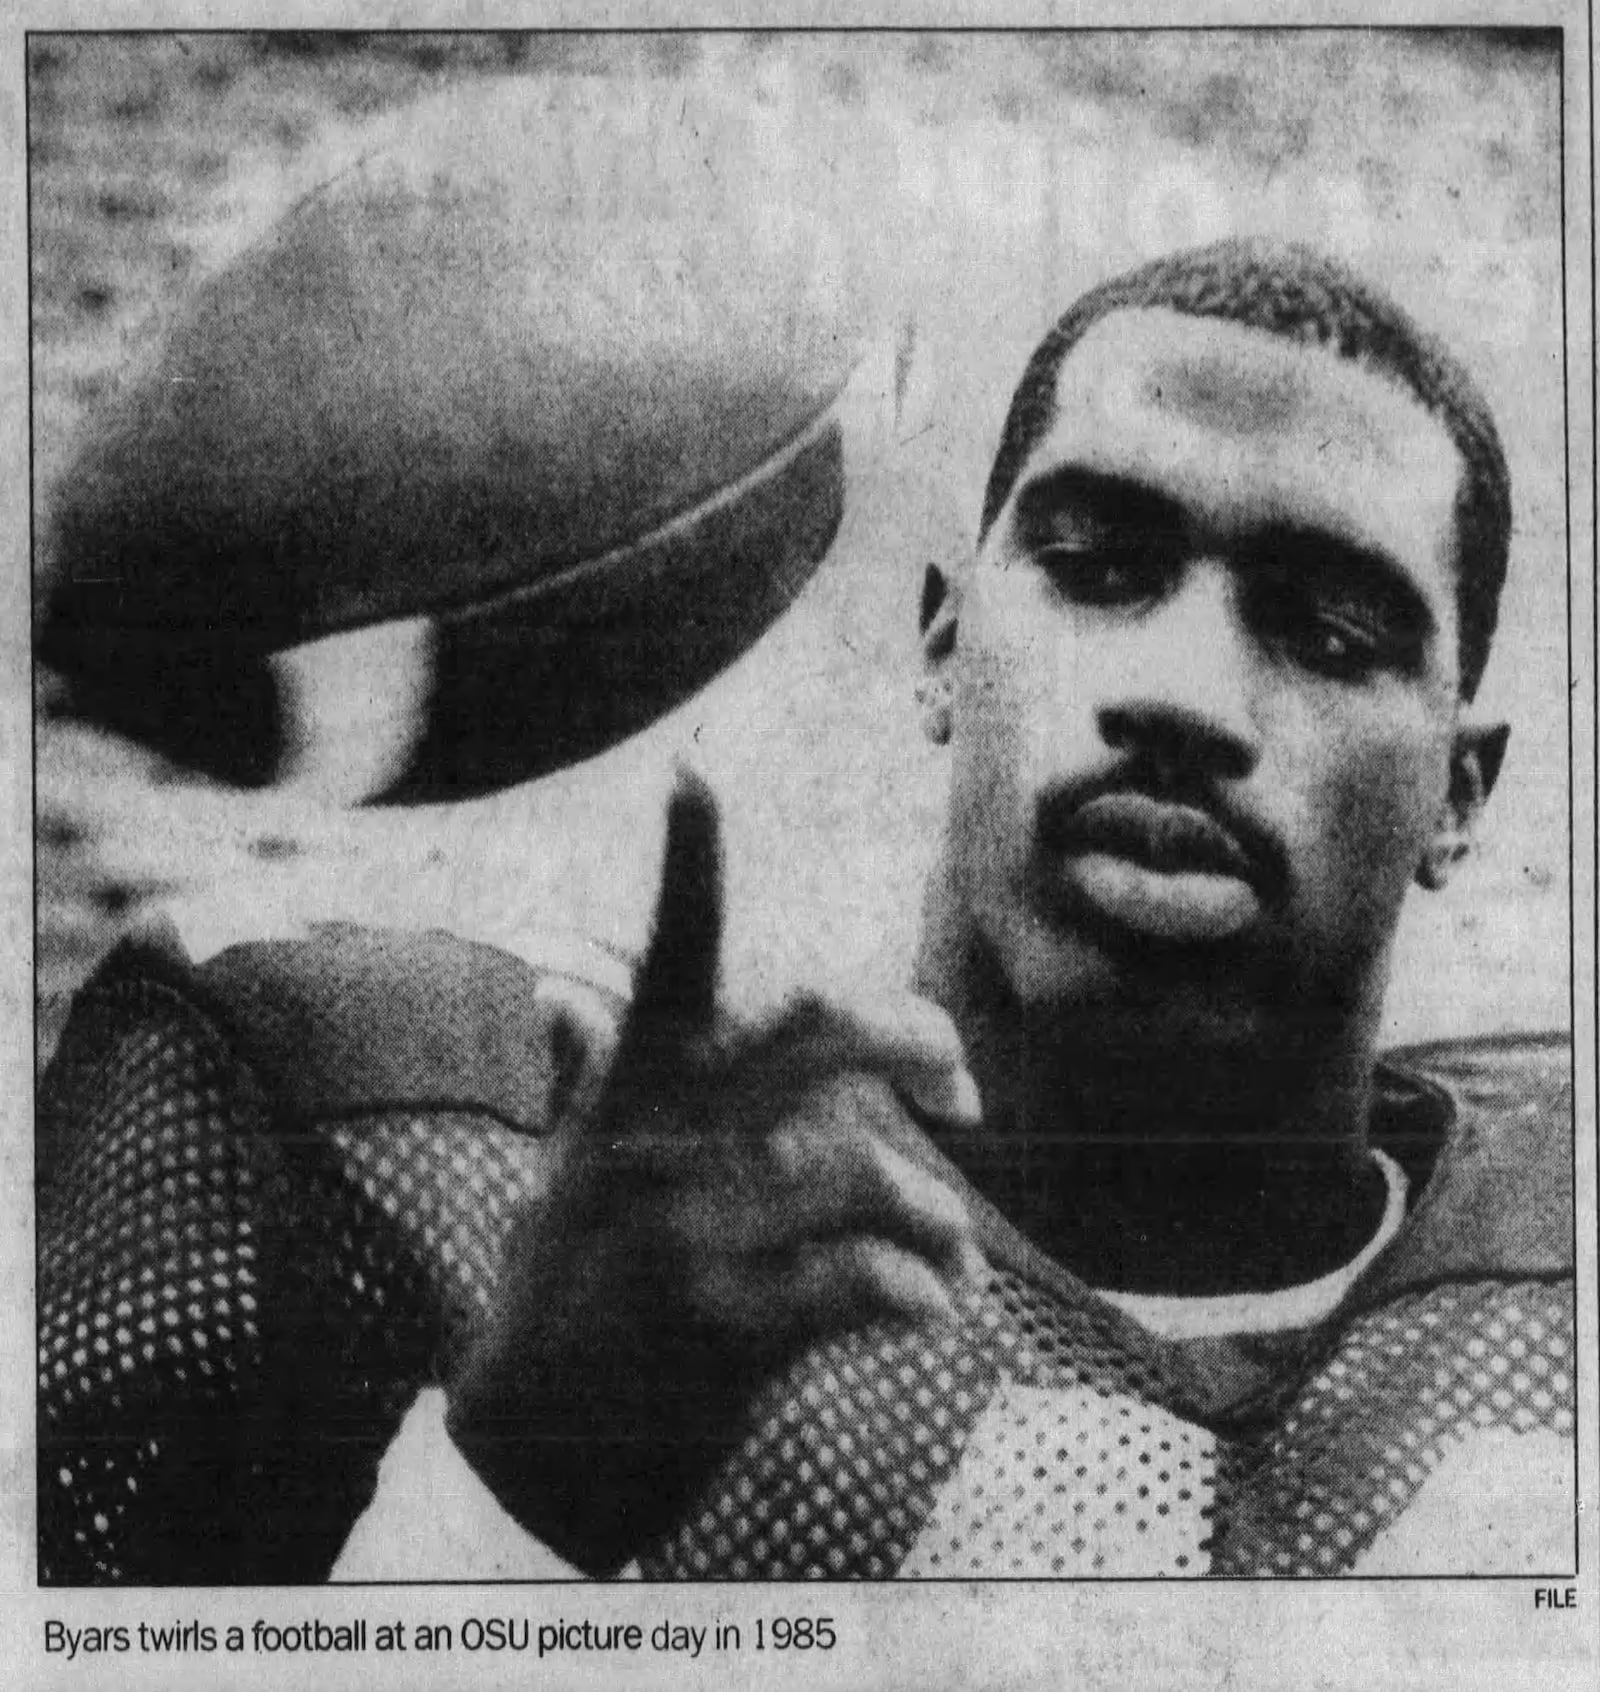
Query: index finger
(675, 992)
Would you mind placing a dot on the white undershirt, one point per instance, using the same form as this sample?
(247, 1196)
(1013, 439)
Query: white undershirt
(1174, 1316)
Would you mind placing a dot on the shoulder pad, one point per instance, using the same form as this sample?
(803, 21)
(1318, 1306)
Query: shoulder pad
(355, 1018)
(1499, 1201)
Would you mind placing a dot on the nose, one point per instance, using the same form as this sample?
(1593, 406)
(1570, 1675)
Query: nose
(1184, 684)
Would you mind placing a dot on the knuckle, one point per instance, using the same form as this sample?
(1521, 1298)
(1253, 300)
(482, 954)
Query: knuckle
(830, 1283)
(689, 1220)
(790, 1153)
(724, 1294)
(855, 1102)
(805, 1009)
(859, 1270)
(865, 1258)
(709, 1288)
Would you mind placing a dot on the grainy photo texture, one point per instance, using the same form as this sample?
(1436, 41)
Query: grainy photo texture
(801, 806)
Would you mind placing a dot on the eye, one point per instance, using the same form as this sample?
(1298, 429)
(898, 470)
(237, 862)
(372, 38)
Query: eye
(1335, 610)
(1333, 635)
(1339, 647)
(1114, 575)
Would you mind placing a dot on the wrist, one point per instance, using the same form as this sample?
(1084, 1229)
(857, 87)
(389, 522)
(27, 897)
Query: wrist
(598, 1448)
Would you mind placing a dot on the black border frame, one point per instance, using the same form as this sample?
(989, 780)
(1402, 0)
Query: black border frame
(1555, 33)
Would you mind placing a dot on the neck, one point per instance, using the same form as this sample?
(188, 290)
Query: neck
(1149, 1162)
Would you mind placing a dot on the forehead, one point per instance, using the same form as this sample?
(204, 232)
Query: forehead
(1242, 428)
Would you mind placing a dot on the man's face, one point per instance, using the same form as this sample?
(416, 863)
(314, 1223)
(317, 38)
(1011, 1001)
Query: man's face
(1204, 682)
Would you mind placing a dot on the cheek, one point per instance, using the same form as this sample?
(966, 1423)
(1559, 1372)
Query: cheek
(1023, 687)
(985, 744)
(1379, 788)
(996, 673)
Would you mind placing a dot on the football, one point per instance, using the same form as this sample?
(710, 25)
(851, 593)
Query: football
(495, 446)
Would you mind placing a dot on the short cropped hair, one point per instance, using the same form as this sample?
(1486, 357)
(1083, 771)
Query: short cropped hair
(1303, 295)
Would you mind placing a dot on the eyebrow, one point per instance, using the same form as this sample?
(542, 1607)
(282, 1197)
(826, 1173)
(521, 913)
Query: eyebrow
(1115, 501)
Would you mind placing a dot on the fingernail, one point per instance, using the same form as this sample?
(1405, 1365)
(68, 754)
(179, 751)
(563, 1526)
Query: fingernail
(952, 1096)
(968, 1105)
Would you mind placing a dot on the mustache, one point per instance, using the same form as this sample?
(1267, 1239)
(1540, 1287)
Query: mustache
(1137, 813)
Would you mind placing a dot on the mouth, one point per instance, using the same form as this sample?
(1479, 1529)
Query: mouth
(1154, 868)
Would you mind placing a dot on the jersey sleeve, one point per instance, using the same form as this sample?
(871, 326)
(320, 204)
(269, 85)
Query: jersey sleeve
(267, 1217)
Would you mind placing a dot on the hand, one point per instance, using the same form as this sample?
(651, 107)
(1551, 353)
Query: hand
(742, 1188)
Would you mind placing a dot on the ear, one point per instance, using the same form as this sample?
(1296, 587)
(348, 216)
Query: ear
(1475, 760)
(941, 598)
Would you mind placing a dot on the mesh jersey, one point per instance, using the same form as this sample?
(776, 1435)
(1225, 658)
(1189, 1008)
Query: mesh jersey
(272, 1200)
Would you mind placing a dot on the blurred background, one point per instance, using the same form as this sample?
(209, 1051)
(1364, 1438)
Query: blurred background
(993, 177)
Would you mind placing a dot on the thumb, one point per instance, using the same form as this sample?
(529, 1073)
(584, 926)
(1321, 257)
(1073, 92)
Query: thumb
(677, 982)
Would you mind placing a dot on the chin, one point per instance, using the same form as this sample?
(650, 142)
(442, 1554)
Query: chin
(1045, 965)
(1190, 1003)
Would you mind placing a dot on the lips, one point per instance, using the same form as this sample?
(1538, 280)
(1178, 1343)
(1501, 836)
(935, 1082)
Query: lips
(1154, 867)
(1160, 834)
